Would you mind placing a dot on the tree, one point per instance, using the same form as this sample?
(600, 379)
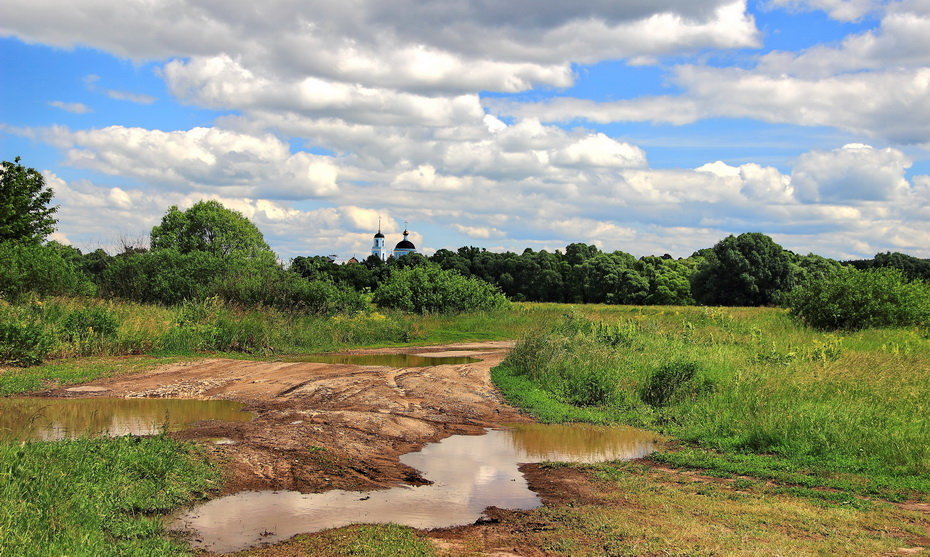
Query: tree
(24, 198)
(209, 227)
(745, 270)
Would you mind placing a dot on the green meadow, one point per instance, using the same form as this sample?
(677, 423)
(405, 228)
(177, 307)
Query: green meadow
(797, 419)
(741, 391)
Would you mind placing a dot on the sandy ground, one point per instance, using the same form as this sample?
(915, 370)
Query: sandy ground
(326, 426)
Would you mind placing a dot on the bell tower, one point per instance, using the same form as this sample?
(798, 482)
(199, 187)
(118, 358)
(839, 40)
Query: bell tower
(378, 248)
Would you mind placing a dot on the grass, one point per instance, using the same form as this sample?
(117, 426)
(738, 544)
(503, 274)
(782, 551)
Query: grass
(96, 496)
(363, 540)
(71, 371)
(738, 382)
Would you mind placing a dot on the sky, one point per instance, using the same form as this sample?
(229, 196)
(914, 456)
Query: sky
(648, 126)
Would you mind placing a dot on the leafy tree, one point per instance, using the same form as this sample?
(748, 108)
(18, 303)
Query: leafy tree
(24, 198)
(669, 281)
(209, 227)
(745, 270)
(912, 267)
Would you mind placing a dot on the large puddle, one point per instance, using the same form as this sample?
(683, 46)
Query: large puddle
(46, 419)
(388, 360)
(469, 473)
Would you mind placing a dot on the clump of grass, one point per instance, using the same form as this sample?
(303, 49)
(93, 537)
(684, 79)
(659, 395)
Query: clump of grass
(96, 496)
(367, 540)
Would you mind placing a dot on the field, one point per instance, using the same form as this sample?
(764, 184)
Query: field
(783, 439)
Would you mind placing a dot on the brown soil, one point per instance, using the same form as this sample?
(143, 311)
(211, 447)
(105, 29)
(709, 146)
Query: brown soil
(326, 426)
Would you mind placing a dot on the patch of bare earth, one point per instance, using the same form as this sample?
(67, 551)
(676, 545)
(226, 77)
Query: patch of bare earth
(326, 426)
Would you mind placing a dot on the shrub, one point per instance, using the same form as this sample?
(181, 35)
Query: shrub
(851, 299)
(430, 289)
(40, 269)
(670, 382)
(93, 321)
(274, 287)
(23, 343)
(163, 277)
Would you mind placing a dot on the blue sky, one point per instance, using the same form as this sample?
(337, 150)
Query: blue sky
(645, 127)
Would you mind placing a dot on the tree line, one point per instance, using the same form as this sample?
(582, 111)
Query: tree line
(209, 250)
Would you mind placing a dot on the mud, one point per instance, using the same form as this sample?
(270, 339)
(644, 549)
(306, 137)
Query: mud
(324, 426)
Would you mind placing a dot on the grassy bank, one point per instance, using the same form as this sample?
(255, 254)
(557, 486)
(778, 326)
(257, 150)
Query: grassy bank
(751, 386)
(96, 496)
(82, 339)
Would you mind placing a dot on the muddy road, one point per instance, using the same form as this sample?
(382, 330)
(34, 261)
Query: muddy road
(326, 426)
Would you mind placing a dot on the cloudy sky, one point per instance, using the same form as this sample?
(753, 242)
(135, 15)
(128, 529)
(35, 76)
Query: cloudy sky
(650, 126)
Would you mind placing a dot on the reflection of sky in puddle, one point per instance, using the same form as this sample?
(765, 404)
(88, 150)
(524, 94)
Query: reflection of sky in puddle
(46, 419)
(469, 473)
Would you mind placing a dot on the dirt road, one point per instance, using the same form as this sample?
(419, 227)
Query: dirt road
(326, 426)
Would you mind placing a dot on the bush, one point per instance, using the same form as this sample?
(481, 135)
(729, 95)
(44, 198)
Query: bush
(430, 289)
(93, 321)
(671, 382)
(274, 287)
(162, 277)
(850, 299)
(40, 269)
(23, 343)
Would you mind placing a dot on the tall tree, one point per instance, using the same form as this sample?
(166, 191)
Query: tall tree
(210, 227)
(25, 214)
(745, 270)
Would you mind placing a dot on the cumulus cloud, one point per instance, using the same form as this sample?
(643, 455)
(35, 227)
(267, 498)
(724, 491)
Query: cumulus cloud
(201, 159)
(854, 172)
(875, 83)
(437, 44)
(129, 213)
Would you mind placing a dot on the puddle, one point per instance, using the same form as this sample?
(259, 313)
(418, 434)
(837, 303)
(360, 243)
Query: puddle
(46, 419)
(469, 473)
(388, 360)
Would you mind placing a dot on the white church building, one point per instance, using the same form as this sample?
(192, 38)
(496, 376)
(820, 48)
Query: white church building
(403, 247)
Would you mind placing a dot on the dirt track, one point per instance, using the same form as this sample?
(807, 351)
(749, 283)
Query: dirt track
(326, 426)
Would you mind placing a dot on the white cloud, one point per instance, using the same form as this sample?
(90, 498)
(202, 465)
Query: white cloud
(201, 159)
(437, 45)
(852, 173)
(137, 98)
(842, 10)
(74, 108)
(480, 232)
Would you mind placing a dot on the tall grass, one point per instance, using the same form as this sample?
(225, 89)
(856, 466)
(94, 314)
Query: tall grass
(743, 381)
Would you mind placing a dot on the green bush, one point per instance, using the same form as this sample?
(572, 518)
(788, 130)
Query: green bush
(163, 277)
(430, 289)
(672, 381)
(273, 287)
(88, 322)
(23, 342)
(850, 299)
(39, 269)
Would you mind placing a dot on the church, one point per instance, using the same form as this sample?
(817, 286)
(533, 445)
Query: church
(403, 247)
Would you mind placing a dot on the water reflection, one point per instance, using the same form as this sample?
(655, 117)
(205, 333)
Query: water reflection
(55, 419)
(469, 473)
(388, 360)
